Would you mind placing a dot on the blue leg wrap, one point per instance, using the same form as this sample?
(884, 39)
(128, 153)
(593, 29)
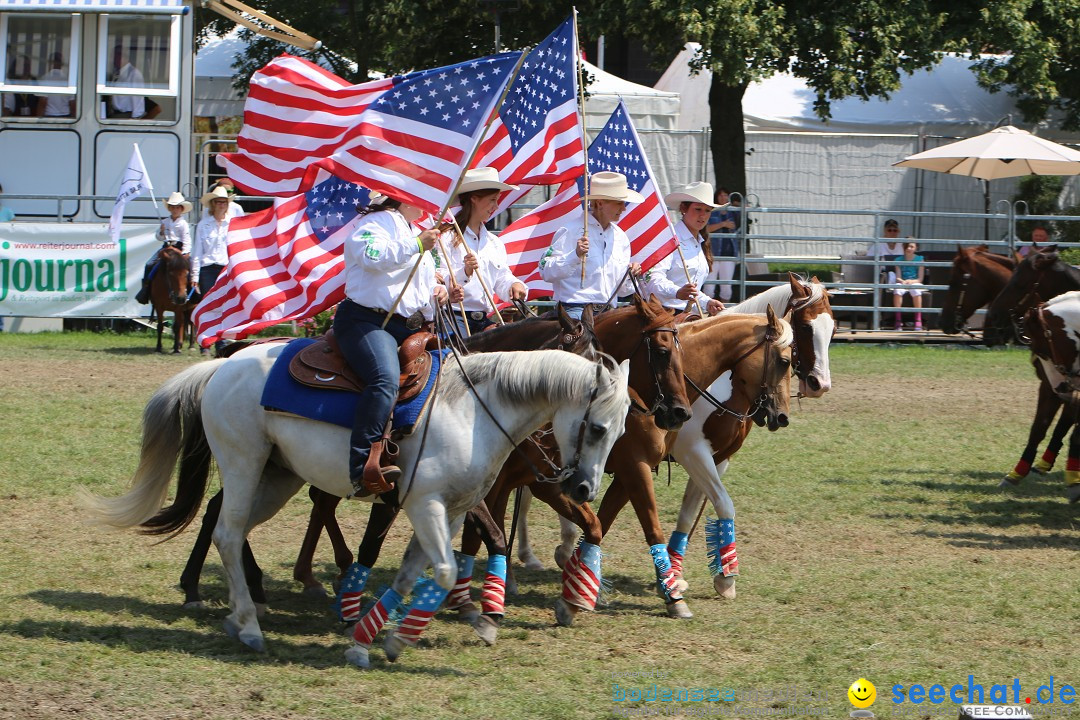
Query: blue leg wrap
(347, 604)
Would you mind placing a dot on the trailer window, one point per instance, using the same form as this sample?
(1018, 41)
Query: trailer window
(138, 67)
(39, 65)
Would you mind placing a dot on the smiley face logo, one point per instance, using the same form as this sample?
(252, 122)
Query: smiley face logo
(862, 693)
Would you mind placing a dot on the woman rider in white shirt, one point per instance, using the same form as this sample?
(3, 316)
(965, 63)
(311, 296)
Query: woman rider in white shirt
(668, 278)
(605, 252)
(479, 251)
(379, 257)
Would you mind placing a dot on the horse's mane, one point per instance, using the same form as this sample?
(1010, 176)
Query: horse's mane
(777, 297)
(525, 377)
(1001, 260)
(787, 335)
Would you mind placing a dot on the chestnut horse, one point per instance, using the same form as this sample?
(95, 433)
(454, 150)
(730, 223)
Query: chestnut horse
(978, 275)
(170, 292)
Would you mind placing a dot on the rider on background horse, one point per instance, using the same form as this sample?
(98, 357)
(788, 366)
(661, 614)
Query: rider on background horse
(604, 251)
(480, 254)
(676, 280)
(379, 259)
(174, 231)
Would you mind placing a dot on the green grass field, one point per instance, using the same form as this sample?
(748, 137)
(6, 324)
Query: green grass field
(873, 543)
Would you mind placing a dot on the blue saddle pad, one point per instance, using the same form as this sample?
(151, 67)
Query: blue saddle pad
(283, 394)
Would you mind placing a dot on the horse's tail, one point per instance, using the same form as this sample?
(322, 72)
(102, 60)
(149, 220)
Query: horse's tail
(172, 430)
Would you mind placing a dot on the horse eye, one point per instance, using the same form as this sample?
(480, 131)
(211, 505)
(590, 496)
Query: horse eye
(596, 430)
(663, 353)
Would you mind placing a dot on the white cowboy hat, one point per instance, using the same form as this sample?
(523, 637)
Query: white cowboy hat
(218, 193)
(178, 199)
(611, 186)
(696, 192)
(483, 178)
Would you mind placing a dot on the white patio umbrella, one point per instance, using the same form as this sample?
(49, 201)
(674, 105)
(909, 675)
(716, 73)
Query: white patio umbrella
(1003, 152)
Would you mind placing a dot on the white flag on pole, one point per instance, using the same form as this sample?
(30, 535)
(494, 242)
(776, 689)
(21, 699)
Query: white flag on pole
(134, 182)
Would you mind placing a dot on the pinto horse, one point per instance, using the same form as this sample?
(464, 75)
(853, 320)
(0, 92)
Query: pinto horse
(1054, 331)
(978, 275)
(265, 458)
(169, 292)
(563, 333)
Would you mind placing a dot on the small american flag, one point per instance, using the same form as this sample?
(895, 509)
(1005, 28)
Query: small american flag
(284, 262)
(646, 224)
(537, 138)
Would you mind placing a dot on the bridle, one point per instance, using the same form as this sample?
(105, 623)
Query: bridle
(958, 319)
(793, 306)
(763, 396)
(663, 324)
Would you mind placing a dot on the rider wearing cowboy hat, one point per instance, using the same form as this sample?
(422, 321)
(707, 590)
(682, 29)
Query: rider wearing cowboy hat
(174, 231)
(480, 252)
(668, 278)
(605, 251)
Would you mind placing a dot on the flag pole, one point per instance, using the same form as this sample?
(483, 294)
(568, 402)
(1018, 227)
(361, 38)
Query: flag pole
(686, 271)
(454, 282)
(584, 144)
(479, 276)
(464, 169)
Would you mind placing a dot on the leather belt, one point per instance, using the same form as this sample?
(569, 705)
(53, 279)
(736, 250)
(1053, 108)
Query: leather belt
(596, 307)
(477, 315)
(413, 322)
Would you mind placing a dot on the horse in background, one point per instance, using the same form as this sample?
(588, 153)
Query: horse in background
(1054, 332)
(978, 275)
(170, 292)
(1041, 275)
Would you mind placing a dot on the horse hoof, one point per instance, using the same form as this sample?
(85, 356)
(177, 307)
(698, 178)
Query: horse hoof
(231, 628)
(679, 609)
(255, 642)
(1073, 493)
(394, 646)
(724, 586)
(358, 655)
(564, 613)
(260, 609)
(194, 605)
(315, 591)
(531, 562)
(487, 628)
(467, 613)
(511, 585)
(1009, 482)
(562, 555)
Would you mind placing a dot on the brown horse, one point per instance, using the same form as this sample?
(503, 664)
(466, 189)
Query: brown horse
(170, 292)
(977, 277)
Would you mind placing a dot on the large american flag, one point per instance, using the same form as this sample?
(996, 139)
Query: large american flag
(646, 224)
(537, 138)
(285, 262)
(412, 141)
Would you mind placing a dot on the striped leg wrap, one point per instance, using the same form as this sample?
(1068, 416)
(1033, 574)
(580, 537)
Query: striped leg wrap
(720, 544)
(1072, 471)
(581, 576)
(493, 599)
(1046, 463)
(1020, 471)
(352, 588)
(676, 549)
(427, 596)
(461, 595)
(372, 622)
(665, 575)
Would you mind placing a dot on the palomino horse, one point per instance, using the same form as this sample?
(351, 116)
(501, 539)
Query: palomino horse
(169, 292)
(265, 458)
(758, 350)
(705, 444)
(1054, 331)
(563, 333)
(978, 275)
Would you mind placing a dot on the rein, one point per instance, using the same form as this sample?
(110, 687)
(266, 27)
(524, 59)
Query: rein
(763, 396)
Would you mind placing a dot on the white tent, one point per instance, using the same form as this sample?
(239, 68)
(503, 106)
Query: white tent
(651, 109)
(214, 93)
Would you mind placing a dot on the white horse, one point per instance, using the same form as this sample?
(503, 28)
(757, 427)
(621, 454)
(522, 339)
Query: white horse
(813, 325)
(448, 463)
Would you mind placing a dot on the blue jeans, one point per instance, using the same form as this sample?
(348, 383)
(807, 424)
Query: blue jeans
(372, 353)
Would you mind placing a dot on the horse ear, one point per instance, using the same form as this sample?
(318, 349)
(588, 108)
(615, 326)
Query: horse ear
(797, 288)
(624, 373)
(774, 322)
(565, 320)
(587, 318)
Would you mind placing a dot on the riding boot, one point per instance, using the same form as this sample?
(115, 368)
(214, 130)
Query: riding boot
(143, 296)
(375, 480)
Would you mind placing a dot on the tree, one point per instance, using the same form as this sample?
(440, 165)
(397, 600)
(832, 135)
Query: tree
(841, 48)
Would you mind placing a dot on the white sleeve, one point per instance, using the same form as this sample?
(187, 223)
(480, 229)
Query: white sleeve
(658, 282)
(184, 232)
(384, 247)
(561, 260)
(501, 277)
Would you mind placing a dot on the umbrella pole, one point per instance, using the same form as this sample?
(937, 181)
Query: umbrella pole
(986, 209)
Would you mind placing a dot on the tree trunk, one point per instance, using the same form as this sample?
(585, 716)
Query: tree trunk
(728, 143)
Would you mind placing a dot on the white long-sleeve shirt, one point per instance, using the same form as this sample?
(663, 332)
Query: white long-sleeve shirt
(605, 264)
(493, 267)
(210, 246)
(666, 277)
(379, 256)
(129, 76)
(176, 231)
